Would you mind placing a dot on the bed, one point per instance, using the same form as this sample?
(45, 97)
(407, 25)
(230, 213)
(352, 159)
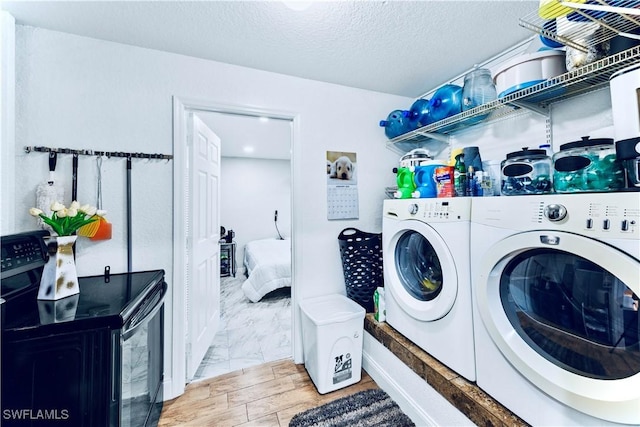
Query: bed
(268, 267)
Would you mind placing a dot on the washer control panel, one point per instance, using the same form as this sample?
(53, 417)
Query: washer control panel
(429, 210)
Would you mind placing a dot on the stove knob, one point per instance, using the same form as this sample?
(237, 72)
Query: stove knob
(413, 208)
(555, 212)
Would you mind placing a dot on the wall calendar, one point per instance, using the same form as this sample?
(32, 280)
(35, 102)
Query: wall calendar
(342, 186)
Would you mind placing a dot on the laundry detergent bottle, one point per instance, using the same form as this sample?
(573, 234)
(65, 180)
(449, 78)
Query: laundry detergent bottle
(406, 184)
(460, 175)
(425, 179)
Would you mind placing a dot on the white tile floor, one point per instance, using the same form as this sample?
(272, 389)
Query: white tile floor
(250, 333)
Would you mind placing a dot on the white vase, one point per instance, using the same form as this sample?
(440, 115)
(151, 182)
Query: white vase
(59, 277)
(63, 310)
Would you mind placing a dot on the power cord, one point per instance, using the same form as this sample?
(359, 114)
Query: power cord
(275, 221)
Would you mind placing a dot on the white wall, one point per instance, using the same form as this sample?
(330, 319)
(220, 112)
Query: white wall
(584, 115)
(250, 191)
(78, 92)
(7, 118)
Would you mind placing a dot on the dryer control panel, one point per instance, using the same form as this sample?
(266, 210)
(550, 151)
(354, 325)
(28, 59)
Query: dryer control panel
(600, 215)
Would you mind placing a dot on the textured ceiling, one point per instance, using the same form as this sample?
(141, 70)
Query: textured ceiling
(400, 47)
(405, 48)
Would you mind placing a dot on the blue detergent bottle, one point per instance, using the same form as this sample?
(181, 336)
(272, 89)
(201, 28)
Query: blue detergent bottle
(397, 123)
(425, 179)
(406, 183)
(419, 113)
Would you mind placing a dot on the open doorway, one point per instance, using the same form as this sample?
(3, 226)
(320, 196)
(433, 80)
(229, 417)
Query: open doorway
(178, 339)
(255, 240)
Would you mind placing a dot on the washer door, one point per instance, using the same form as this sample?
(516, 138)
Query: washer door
(420, 270)
(561, 316)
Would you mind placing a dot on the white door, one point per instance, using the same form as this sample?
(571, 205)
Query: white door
(203, 233)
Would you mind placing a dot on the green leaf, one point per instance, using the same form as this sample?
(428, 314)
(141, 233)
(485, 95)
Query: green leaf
(56, 227)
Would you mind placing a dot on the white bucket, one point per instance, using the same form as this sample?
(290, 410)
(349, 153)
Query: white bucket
(332, 328)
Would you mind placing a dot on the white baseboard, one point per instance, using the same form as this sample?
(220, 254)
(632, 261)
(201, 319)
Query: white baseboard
(421, 402)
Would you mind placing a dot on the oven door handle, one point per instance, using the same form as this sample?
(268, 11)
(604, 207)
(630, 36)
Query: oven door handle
(128, 331)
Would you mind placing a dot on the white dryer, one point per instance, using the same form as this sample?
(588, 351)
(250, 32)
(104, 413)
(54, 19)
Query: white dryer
(427, 277)
(556, 280)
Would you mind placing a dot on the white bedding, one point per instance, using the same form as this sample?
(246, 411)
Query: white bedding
(268, 264)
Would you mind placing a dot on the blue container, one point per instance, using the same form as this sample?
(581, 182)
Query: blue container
(419, 113)
(551, 27)
(446, 102)
(397, 123)
(425, 179)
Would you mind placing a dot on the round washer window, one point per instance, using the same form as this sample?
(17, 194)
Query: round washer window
(573, 312)
(418, 266)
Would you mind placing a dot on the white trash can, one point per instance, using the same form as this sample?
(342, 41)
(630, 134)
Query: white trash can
(332, 327)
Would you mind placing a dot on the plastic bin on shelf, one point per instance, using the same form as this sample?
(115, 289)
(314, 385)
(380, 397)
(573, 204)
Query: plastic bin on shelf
(332, 328)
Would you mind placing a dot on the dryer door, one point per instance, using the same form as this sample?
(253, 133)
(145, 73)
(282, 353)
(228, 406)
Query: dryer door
(420, 270)
(563, 309)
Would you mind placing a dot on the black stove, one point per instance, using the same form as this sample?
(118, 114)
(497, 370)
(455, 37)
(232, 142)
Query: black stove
(103, 302)
(92, 359)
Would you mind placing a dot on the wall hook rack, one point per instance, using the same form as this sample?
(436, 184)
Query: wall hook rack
(108, 154)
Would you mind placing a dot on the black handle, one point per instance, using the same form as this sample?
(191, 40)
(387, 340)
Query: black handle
(74, 178)
(129, 235)
(349, 232)
(53, 160)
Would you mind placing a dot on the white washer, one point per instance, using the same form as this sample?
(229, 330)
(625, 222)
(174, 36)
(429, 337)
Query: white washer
(428, 277)
(556, 280)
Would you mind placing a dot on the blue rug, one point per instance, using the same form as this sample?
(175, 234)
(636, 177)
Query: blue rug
(369, 408)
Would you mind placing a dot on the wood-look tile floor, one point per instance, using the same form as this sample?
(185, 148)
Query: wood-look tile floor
(265, 395)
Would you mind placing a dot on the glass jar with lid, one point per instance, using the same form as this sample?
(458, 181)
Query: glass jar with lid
(587, 165)
(478, 89)
(526, 172)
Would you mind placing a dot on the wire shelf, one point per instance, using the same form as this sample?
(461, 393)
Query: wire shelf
(584, 25)
(588, 78)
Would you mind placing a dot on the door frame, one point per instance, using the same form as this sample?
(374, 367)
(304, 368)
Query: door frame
(175, 360)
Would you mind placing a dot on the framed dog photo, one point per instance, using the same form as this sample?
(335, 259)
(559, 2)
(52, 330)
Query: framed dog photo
(342, 185)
